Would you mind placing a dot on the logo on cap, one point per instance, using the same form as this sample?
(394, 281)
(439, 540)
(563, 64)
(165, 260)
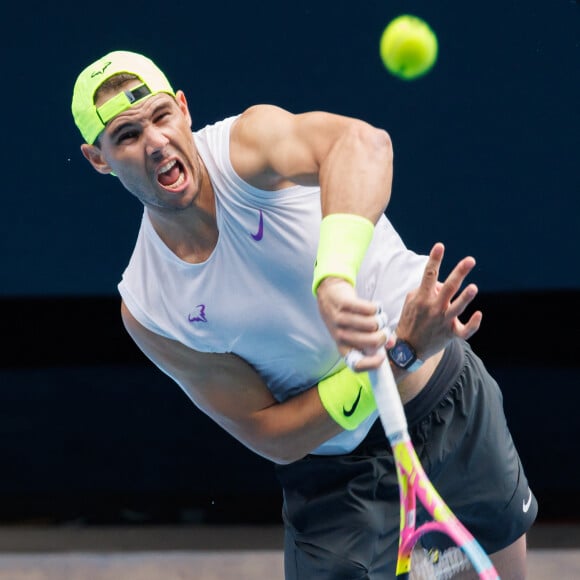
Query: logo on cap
(100, 72)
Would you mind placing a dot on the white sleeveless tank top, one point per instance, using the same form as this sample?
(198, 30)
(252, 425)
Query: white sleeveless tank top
(252, 297)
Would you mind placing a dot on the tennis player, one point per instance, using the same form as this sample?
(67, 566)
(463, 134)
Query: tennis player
(260, 260)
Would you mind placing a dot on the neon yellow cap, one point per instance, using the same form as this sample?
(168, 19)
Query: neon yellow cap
(91, 120)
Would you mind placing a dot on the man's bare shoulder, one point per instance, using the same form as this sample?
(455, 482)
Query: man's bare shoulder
(260, 123)
(264, 120)
(272, 148)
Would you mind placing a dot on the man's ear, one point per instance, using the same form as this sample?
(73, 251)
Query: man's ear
(94, 156)
(182, 104)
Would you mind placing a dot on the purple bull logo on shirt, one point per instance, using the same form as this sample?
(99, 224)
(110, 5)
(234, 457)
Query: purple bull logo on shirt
(198, 314)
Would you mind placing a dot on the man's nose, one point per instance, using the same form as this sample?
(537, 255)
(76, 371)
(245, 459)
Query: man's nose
(156, 141)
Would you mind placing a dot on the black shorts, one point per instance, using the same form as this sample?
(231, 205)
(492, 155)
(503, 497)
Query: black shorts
(341, 512)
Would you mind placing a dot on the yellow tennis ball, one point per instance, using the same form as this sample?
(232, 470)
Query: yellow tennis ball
(408, 47)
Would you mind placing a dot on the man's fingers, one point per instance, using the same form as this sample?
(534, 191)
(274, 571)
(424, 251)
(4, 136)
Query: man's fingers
(352, 359)
(458, 306)
(359, 362)
(348, 322)
(467, 330)
(454, 281)
(363, 341)
(473, 325)
(431, 272)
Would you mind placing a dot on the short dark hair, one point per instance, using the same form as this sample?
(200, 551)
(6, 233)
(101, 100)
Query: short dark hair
(113, 84)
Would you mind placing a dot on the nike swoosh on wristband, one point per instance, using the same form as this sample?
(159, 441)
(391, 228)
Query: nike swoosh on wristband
(527, 503)
(350, 412)
(260, 233)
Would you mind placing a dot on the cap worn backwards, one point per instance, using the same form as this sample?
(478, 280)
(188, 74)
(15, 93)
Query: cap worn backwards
(91, 120)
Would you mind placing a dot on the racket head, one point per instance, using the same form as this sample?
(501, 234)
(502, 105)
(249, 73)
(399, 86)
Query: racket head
(466, 557)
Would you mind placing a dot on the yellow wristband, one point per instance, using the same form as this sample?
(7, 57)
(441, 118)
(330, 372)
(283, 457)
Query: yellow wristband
(347, 397)
(344, 239)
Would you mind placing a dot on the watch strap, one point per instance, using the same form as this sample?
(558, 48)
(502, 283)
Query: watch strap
(415, 366)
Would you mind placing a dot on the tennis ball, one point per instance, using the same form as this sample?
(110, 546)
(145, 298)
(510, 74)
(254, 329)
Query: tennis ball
(408, 47)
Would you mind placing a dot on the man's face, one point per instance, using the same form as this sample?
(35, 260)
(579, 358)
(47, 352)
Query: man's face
(150, 148)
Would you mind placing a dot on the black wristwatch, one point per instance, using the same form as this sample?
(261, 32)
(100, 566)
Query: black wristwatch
(404, 356)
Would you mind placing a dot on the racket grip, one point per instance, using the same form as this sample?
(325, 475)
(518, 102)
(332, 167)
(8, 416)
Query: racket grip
(388, 400)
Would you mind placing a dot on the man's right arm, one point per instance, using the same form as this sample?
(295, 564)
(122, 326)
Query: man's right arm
(232, 393)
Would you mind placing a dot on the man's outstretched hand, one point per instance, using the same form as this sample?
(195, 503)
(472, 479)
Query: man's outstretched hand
(430, 317)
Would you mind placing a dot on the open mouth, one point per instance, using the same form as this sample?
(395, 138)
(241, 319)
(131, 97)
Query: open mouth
(171, 175)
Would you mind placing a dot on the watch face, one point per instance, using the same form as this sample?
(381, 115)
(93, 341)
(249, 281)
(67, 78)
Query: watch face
(402, 354)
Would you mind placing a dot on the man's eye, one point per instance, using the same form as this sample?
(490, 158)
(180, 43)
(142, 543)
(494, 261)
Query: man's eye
(127, 136)
(161, 116)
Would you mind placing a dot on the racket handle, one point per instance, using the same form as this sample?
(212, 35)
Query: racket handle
(388, 401)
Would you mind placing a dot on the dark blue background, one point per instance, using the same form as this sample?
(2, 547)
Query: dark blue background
(486, 145)
(486, 160)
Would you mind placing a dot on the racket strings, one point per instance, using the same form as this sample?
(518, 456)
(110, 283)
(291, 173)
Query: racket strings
(437, 565)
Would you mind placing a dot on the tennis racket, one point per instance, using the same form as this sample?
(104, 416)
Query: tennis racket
(415, 485)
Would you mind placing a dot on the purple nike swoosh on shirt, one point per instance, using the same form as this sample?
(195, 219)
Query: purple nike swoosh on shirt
(258, 235)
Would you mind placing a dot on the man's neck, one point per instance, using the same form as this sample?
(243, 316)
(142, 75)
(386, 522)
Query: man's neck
(191, 234)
